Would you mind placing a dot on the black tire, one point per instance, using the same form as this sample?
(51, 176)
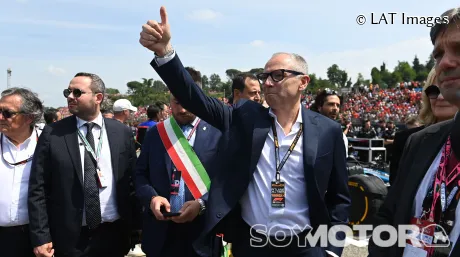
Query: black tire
(367, 195)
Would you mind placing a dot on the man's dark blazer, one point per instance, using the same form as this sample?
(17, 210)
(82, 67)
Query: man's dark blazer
(398, 146)
(419, 153)
(56, 190)
(245, 127)
(153, 178)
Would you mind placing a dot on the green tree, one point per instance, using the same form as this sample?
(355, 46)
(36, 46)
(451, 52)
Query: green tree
(376, 77)
(145, 92)
(405, 70)
(430, 63)
(417, 66)
(158, 86)
(359, 80)
(256, 71)
(232, 73)
(337, 76)
(205, 81)
(214, 81)
(112, 91)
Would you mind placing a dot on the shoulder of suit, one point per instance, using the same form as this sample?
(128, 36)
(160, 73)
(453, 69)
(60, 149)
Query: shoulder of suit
(440, 127)
(321, 119)
(434, 128)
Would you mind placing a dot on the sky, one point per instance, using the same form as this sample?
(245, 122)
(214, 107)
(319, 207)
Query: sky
(46, 42)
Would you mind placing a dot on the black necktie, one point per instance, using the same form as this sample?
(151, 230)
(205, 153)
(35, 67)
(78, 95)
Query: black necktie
(91, 190)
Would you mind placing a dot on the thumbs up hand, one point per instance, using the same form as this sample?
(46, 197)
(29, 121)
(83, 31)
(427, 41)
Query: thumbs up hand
(156, 36)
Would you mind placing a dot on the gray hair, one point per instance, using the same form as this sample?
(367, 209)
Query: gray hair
(30, 103)
(97, 85)
(300, 64)
(448, 17)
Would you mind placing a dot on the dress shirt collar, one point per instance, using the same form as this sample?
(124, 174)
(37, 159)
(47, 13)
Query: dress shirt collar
(191, 124)
(98, 121)
(33, 136)
(298, 120)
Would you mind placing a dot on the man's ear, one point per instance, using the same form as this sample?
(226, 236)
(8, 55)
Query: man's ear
(305, 80)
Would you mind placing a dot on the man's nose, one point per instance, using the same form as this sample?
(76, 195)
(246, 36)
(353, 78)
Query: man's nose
(448, 62)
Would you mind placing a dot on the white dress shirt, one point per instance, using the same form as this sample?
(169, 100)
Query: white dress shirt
(256, 202)
(428, 181)
(345, 141)
(107, 196)
(15, 181)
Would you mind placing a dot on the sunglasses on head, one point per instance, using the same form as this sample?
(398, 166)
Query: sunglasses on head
(276, 75)
(8, 114)
(76, 92)
(329, 91)
(432, 92)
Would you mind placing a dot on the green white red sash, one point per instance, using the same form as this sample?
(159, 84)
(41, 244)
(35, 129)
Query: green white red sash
(184, 157)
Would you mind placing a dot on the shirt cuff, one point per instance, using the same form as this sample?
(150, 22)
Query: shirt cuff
(163, 60)
(331, 253)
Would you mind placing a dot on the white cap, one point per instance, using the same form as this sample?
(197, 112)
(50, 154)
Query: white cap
(123, 104)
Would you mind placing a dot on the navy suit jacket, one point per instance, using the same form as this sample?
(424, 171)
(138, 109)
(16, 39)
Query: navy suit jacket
(56, 183)
(153, 178)
(245, 127)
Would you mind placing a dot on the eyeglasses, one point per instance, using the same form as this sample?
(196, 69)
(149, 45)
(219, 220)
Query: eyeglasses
(8, 114)
(329, 91)
(432, 92)
(276, 75)
(76, 92)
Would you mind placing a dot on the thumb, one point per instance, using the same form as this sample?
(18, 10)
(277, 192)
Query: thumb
(164, 15)
(167, 205)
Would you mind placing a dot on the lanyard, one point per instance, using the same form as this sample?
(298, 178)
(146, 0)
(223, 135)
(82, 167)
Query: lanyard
(88, 146)
(279, 165)
(442, 179)
(193, 130)
(17, 163)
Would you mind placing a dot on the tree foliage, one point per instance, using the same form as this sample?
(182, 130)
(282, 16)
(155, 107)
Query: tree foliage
(146, 91)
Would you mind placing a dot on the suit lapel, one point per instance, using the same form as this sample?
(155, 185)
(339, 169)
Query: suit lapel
(169, 165)
(201, 138)
(259, 135)
(73, 147)
(310, 146)
(113, 144)
(430, 145)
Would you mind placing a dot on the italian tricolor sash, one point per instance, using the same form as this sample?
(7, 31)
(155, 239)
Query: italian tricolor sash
(184, 157)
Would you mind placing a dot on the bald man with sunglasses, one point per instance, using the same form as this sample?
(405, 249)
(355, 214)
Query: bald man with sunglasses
(283, 169)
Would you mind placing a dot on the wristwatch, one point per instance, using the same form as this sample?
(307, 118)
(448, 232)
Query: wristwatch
(202, 206)
(167, 54)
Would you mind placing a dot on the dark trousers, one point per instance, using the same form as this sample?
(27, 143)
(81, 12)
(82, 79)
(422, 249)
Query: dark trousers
(109, 239)
(15, 242)
(179, 240)
(271, 246)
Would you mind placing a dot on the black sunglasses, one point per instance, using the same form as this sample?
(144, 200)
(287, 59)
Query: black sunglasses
(276, 75)
(76, 92)
(432, 92)
(8, 114)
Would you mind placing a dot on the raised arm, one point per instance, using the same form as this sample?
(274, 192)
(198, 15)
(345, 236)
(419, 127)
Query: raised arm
(156, 37)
